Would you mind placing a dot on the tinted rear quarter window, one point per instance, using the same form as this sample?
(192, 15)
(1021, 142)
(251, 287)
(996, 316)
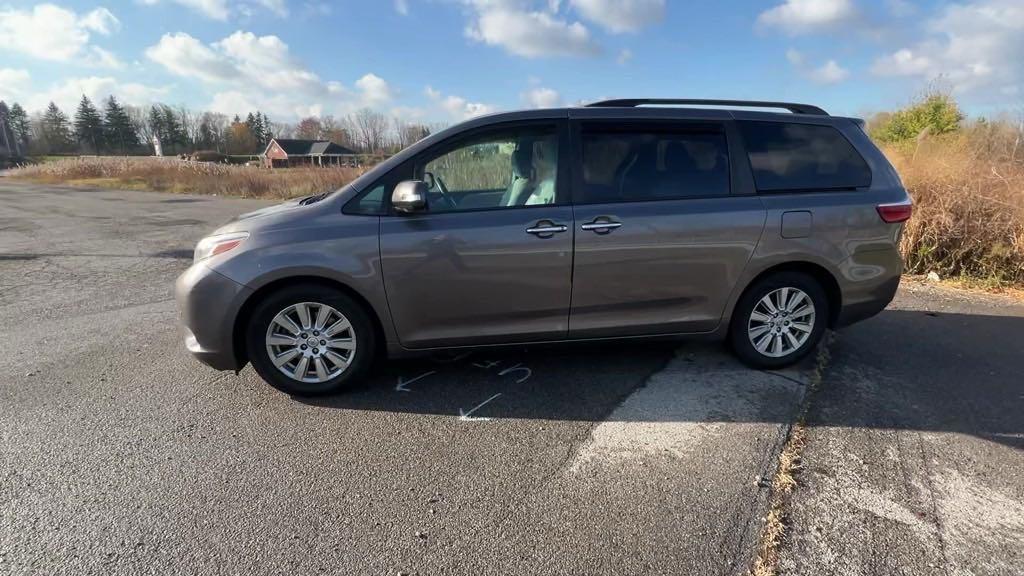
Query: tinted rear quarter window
(787, 156)
(631, 165)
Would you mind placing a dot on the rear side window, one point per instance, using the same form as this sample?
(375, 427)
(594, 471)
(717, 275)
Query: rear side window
(787, 156)
(637, 165)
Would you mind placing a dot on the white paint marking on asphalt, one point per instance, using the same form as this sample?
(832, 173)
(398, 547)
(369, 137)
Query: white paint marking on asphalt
(467, 416)
(687, 404)
(403, 384)
(517, 368)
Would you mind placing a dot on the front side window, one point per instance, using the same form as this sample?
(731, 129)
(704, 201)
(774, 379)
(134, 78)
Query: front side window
(641, 165)
(505, 169)
(788, 156)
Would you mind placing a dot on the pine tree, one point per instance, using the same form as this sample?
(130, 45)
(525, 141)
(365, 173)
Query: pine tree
(176, 135)
(56, 131)
(117, 127)
(257, 129)
(89, 125)
(7, 140)
(20, 126)
(266, 135)
(155, 120)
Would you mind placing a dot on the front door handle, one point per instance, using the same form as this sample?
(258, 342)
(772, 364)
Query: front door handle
(601, 226)
(546, 229)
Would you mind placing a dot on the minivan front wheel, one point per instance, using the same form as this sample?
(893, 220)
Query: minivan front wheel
(309, 340)
(779, 320)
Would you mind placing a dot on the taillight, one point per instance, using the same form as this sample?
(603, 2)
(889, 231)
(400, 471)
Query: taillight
(896, 213)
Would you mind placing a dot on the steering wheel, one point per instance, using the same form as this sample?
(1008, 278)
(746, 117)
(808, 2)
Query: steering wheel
(438, 185)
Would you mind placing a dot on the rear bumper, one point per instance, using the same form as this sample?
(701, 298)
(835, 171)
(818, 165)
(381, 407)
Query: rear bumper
(869, 284)
(208, 303)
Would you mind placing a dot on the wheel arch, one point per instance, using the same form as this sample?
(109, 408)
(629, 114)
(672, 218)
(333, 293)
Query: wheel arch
(825, 277)
(245, 312)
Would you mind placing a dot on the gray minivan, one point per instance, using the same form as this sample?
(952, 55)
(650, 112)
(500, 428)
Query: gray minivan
(622, 219)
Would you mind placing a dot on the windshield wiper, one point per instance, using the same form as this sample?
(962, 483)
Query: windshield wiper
(313, 199)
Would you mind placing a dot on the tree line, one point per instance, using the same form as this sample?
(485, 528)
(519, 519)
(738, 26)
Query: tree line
(121, 129)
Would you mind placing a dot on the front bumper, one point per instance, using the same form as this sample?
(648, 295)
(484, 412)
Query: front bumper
(209, 303)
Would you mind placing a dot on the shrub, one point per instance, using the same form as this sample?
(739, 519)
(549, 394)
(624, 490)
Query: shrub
(968, 192)
(935, 114)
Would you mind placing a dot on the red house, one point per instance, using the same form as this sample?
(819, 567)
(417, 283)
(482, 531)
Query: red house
(287, 152)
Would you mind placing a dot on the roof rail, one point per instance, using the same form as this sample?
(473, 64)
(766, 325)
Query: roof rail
(634, 102)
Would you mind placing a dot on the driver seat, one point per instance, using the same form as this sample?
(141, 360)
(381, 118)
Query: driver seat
(521, 187)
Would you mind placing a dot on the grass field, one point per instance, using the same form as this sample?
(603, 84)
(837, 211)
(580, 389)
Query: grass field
(173, 175)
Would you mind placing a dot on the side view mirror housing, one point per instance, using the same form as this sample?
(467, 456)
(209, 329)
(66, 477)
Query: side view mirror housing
(410, 196)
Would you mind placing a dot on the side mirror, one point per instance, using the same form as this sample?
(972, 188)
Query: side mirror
(410, 196)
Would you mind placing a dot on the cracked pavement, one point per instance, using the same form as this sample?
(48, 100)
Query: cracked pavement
(122, 455)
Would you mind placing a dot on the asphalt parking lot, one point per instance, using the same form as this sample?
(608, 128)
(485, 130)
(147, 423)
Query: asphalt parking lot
(122, 455)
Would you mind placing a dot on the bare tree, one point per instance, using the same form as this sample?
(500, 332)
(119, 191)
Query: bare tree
(140, 121)
(281, 130)
(371, 129)
(337, 131)
(407, 133)
(190, 124)
(309, 128)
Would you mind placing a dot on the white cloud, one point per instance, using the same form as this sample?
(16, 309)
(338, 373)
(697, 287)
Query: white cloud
(900, 8)
(215, 9)
(542, 98)
(49, 32)
(977, 46)
(278, 7)
(402, 7)
(621, 15)
(526, 32)
(14, 84)
(625, 55)
(374, 90)
(795, 57)
(101, 21)
(67, 93)
(903, 62)
(223, 9)
(251, 72)
(828, 73)
(458, 107)
(807, 16)
(100, 58)
(185, 56)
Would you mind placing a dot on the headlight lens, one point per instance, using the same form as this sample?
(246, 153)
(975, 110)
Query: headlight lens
(218, 244)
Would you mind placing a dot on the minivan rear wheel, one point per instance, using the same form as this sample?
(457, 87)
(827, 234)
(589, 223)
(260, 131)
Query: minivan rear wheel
(779, 320)
(309, 340)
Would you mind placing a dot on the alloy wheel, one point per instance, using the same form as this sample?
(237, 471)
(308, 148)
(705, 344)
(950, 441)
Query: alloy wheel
(781, 322)
(311, 342)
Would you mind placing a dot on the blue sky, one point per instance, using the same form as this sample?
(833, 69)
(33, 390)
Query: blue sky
(443, 60)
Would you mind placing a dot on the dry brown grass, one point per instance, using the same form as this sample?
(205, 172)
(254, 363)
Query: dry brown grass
(785, 481)
(968, 191)
(173, 175)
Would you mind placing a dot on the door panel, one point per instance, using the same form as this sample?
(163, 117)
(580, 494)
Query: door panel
(669, 267)
(478, 277)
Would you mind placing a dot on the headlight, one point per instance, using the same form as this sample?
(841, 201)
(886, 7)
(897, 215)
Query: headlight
(218, 244)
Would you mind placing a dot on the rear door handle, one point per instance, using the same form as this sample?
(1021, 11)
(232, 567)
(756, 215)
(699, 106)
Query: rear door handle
(546, 229)
(601, 226)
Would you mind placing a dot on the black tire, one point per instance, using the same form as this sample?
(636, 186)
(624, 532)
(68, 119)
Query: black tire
(739, 338)
(269, 307)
